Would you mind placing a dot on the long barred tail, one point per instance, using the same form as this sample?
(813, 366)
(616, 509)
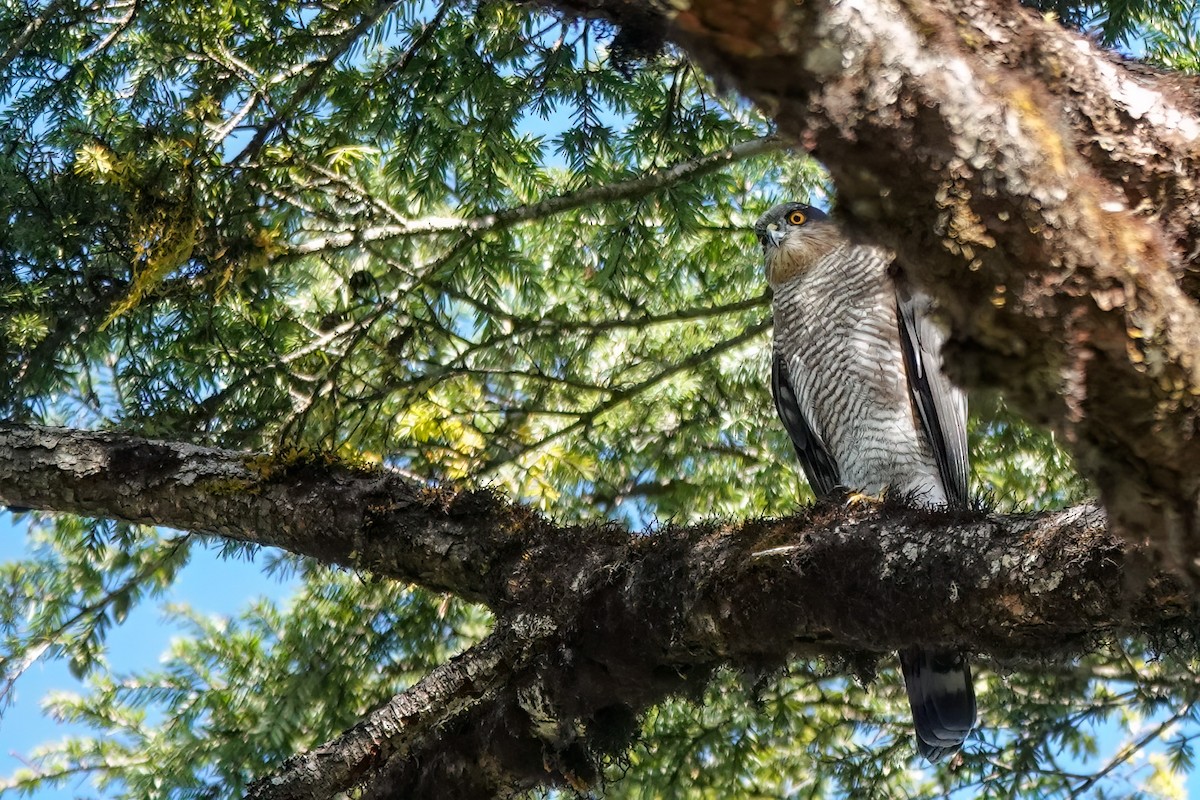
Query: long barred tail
(942, 698)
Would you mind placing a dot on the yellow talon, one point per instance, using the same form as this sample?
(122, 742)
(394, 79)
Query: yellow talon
(862, 498)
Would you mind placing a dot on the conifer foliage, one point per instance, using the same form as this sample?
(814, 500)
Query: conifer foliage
(495, 247)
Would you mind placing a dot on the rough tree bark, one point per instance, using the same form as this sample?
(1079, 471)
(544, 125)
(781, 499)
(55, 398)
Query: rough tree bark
(556, 686)
(1043, 190)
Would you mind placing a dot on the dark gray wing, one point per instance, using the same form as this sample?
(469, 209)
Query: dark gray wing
(819, 468)
(941, 405)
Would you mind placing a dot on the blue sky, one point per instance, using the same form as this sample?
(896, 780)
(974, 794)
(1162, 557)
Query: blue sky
(209, 584)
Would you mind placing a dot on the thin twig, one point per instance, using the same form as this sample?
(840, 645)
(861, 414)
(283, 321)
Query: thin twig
(31, 28)
(1128, 751)
(641, 186)
(627, 394)
(320, 66)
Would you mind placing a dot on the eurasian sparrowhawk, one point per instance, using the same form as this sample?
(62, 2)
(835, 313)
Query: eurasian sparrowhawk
(857, 380)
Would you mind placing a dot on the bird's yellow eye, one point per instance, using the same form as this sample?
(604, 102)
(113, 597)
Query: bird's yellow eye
(797, 218)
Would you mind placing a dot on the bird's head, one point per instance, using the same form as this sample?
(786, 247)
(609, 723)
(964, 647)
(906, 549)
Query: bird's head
(793, 237)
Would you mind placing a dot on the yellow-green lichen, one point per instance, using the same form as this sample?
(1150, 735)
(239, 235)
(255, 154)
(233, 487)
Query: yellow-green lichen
(290, 460)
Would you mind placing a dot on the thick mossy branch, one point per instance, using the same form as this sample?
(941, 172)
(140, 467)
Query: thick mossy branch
(830, 578)
(599, 626)
(597, 623)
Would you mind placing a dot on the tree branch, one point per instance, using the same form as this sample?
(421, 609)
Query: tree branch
(557, 688)
(393, 734)
(607, 193)
(36, 23)
(1042, 190)
(1064, 566)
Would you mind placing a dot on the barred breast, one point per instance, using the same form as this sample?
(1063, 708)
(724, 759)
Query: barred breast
(836, 327)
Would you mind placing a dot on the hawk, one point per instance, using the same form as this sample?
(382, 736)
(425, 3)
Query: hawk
(857, 380)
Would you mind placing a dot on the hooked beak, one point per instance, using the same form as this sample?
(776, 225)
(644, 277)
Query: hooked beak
(772, 238)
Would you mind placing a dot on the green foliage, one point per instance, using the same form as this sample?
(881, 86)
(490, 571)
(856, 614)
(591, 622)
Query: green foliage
(455, 239)
(1117, 22)
(1016, 468)
(82, 579)
(1046, 732)
(273, 682)
(1172, 36)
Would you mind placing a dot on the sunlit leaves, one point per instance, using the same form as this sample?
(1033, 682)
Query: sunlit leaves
(1172, 35)
(83, 580)
(342, 226)
(1018, 467)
